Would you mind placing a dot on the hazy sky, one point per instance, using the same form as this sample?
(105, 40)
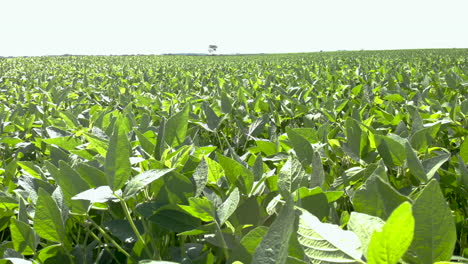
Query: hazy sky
(54, 27)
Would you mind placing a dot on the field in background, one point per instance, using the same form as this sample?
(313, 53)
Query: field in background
(331, 157)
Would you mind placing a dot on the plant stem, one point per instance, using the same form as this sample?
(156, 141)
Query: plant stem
(134, 228)
(105, 248)
(106, 236)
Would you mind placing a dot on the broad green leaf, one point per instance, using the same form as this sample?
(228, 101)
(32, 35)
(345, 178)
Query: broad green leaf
(314, 200)
(210, 228)
(353, 135)
(302, 147)
(70, 183)
(23, 236)
(54, 254)
(433, 164)
(200, 208)
(48, 221)
(31, 168)
(142, 180)
(434, 233)
(252, 239)
(463, 172)
(422, 138)
(317, 177)
(257, 168)
(237, 174)
(145, 143)
(414, 164)
(327, 243)
(228, 207)
(290, 177)
(377, 198)
(226, 104)
(92, 175)
(117, 166)
(266, 147)
(464, 150)
(392, 149)
(212, 120)
(215, 171)
(364, 225)
(394, 98)
(160, 142)
(100, 194)
(417, 122)
(275, 243)
(67, 143)
(176, 128)
(175, 219)
(257, 126)
(200, 177)
(391, 243)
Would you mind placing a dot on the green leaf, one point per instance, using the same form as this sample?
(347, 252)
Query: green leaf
(48, 221)
(377, 198)
(394, 98)
(364, 225)
(100, 194)
(200, 177)
(353, 135)
(257, 168)
(175, 220)
(317, 177)
(390, 244)
(70, 183)
(160, 142)
(464, 150)
(176, 128)
(142, 180)
(433, 164)
(200, 208)
(54, 254)
(392, 149)
(252, 239)
(67, 143)
(327, 243)
(8, 203)
(226, 104)
(290, 177)
(23, 236)
(414, 164)
(228, 207)
(117, 166)
(421, 139)
(417, 122)
(92, 175)
(301, 146)
(237, 174)
(314, 201)
(215, 171)
(434, 233)
(275, 244)
(212, 120)
(145, 143)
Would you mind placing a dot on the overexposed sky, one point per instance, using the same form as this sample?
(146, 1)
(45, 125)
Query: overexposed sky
(100, 27)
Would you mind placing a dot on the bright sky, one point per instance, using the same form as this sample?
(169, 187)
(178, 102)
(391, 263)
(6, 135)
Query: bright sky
(55, 27)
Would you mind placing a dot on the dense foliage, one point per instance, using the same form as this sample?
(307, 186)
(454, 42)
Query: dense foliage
(341, 157)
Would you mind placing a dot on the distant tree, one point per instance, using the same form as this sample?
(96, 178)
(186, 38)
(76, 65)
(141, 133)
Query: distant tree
(212, 48)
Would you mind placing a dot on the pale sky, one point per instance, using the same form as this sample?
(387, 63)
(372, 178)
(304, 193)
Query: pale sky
(101, 27)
